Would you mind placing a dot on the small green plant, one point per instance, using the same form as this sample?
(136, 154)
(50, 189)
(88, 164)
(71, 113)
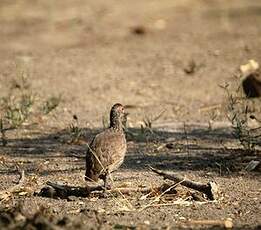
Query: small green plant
(238, 113)
(50, 104)
(105, 121)
(148, 121)
(75, 131)
(21, 82)
(3, 130)
(17, 105)
(18, 109)
(23, 74)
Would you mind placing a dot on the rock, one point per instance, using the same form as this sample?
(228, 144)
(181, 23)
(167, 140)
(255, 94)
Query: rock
(252, 85)
(249, 68)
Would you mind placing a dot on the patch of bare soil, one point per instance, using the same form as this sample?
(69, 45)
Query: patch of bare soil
(165, 60)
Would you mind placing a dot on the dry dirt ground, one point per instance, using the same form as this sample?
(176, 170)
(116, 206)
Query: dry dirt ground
(142, 54)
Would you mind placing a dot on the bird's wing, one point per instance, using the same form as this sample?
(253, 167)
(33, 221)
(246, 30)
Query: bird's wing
(106, 145)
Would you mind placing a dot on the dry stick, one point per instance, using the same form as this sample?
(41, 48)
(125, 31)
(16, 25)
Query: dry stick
(158, 197)
(21, 172)
(64, 191)
(129, 190)
(20, 182)
(210, 189)
(6, 193)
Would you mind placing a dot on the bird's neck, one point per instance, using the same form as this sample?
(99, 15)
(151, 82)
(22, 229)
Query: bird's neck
(115, 124)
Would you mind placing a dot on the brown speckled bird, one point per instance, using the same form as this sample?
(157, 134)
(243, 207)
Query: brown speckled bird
(107, 150)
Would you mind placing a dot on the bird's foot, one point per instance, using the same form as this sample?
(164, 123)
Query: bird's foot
(105, 191)
(104, 195)
(107, 187)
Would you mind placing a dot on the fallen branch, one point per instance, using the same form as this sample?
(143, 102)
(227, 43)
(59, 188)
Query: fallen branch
(210, 189)
(55, 190)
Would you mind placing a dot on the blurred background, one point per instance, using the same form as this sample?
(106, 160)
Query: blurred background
(155, 56)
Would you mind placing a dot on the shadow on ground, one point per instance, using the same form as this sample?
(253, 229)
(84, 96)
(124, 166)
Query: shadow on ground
(199, 149)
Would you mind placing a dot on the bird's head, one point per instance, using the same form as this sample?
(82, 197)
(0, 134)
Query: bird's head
(116, 115)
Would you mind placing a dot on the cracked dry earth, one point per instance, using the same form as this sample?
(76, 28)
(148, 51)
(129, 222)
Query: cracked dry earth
(94, 54)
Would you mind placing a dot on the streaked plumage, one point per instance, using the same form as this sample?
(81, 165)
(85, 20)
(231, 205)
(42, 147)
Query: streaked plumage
(107, 150)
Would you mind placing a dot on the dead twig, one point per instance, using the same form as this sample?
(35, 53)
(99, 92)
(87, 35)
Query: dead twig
(157, 198)
(131, 190)
(21, 172)
(210, 189)
(55, 190)
(7, 193)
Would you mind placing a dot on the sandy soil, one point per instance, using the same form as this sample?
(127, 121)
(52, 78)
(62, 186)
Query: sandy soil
(96, 53)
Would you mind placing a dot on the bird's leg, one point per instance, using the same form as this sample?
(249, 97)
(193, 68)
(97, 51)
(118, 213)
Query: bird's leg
(105, 183)
(105, 179)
